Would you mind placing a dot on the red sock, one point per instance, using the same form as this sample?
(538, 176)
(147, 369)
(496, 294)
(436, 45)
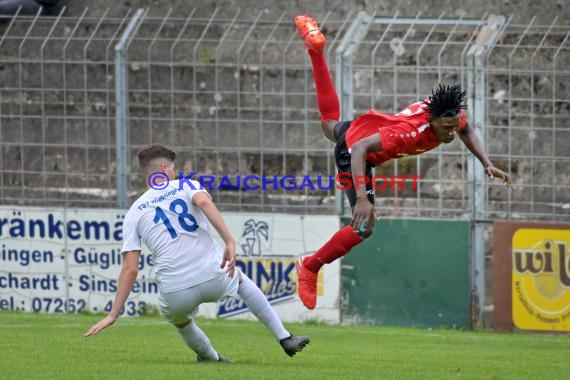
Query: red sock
(339, 245)
(327, 98)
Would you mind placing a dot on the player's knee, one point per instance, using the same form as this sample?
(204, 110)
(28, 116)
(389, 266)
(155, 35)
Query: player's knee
(328, 129)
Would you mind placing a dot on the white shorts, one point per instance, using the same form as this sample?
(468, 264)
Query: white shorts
(180, 306)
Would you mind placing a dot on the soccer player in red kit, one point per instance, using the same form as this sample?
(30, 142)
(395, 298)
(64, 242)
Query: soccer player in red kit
(373, 139)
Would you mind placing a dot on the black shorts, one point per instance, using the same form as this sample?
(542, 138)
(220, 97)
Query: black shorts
(342, 157)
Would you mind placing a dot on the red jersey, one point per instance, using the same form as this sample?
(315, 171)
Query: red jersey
(404, 134)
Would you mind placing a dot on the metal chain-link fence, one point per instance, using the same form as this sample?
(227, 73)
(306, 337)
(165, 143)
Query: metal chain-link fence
(233, 95)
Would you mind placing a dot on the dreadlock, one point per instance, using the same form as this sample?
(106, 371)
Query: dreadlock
(445, 101)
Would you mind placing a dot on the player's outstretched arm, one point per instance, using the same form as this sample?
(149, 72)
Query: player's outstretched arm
(469, 138)
(204, 202)
(363, 210)
(129, 272)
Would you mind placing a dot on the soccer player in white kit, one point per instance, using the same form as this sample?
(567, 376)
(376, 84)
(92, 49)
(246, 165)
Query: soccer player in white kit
(176, 224)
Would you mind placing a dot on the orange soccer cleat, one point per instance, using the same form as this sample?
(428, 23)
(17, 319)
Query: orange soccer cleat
(307, 284)
(309, 31)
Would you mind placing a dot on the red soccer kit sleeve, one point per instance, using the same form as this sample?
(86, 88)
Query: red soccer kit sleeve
(404, 134)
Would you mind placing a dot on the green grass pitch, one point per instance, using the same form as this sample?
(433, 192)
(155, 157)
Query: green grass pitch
(41, 346)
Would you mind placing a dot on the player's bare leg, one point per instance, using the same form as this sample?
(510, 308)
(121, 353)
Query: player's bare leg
(327, 98)
(328, 129)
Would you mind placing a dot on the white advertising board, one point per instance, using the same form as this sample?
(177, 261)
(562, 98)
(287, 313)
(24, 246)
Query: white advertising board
(69, 260)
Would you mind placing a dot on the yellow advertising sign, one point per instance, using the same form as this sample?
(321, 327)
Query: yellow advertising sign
(541, 279)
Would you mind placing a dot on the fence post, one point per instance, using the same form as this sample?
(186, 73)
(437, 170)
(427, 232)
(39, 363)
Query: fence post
(343, 76)
(122, 109)
(477, 87)
(476, 178)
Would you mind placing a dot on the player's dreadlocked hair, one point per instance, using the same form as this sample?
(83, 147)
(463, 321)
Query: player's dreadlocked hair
(446, 101)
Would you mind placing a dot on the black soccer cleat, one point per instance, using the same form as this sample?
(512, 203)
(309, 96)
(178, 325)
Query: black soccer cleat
(221, 359)
(294, 344)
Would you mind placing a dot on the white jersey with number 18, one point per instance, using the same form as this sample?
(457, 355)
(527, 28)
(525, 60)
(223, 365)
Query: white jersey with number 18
(178, 234)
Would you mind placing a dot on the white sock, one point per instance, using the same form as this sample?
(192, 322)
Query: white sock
(260, 307)
(198, 341)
